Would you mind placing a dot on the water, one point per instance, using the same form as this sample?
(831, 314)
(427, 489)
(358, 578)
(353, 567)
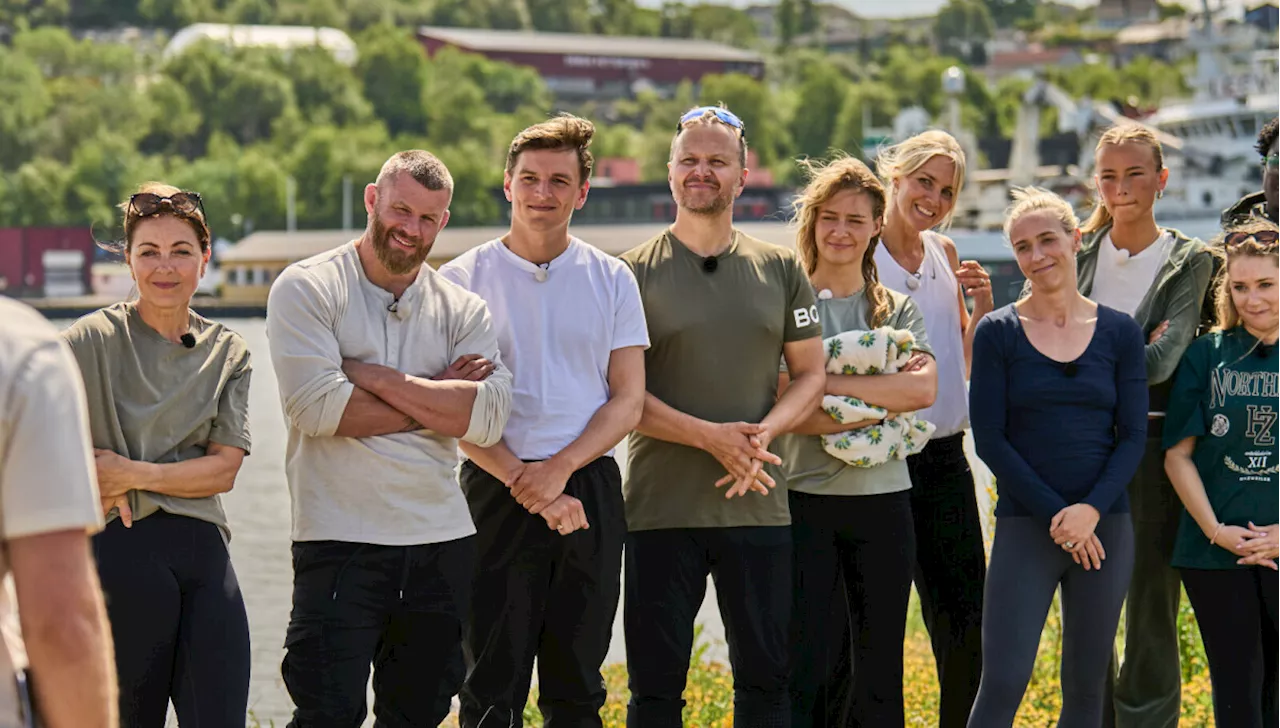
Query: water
(258, 510)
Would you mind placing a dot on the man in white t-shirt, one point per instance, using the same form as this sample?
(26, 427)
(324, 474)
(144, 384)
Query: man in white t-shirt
(48, 507)
(547, 500)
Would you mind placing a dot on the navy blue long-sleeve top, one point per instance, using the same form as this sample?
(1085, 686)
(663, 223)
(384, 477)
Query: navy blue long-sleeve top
(1057, 434)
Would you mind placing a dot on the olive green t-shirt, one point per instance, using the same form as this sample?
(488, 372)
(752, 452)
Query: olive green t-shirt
(810, 468)
(1224, 395)
(715, 340)
(155, 401)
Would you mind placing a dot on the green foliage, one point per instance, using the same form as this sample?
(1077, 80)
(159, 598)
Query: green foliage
(83, 123)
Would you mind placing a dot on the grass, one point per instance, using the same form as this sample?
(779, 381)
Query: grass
(709, 693)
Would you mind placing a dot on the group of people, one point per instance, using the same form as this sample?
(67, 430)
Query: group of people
(718, 355)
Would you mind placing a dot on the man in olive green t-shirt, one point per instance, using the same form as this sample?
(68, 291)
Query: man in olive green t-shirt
(703, 492)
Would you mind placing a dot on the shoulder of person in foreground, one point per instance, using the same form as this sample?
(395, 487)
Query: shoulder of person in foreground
(47, 479)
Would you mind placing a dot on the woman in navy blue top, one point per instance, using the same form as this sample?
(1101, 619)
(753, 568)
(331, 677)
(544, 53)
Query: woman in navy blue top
(1058, 405)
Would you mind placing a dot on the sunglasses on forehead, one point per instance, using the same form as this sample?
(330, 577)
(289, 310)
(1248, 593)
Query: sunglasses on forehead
(1263, 237)
(724, 115)
(183, 203)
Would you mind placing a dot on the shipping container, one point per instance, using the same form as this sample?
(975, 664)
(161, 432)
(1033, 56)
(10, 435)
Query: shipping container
(46, 261)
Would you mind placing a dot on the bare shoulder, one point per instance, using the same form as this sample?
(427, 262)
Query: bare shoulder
(949, 247)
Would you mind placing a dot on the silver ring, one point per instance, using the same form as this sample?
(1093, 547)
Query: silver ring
(1069, 545)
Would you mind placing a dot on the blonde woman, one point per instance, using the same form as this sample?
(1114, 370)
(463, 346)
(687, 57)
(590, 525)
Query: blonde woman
(1059, 402)
(924, 176)
(1159, 277)
(851, 525)
(1221, 434)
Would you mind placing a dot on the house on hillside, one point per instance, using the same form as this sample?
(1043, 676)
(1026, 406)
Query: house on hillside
(579, 67)
(1029, 61)
(1117, 14)
(1265, 17)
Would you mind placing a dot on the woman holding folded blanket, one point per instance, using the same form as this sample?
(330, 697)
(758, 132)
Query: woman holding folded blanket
(1058, 397)
(852, 521)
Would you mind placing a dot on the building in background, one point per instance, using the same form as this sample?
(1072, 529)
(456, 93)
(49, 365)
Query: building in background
(581, 67)
(1116, 14)
(1265, 17)
(282, 37)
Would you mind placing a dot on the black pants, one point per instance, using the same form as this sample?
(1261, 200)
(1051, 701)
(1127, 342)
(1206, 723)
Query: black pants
(870, 541)
(398, 607)
(540, 594)
(1148, 691)
(1236, 611)
(666, 580)
(177, 620)
(951, 568)
(1027, 568)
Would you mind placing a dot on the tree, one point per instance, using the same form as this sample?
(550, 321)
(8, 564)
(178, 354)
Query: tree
(393, 71)
(325, 90)
(787, 19)
(27, 103)
(1007, 13)
(173, 124)
(241, 93)
(808, 21)
(821, 100)
(751, 101)
(34, 12)
(560, 16)
(724, 24)
(962, 27)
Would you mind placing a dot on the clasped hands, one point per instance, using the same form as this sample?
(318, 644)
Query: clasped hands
(1255, 545)
(743, 449)
(1072, 528)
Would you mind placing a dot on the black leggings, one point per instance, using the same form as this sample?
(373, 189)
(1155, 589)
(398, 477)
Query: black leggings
(177, 620)
(869, 539)
(1027, 567)
(1236, 611)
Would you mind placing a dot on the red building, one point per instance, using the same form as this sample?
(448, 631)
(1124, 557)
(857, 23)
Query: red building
(45, 261)
(579, 66)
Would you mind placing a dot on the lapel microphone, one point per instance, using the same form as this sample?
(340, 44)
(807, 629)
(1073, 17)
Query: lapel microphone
(1069, 369)
(1263, 350)
(710, 264)
(188, 340)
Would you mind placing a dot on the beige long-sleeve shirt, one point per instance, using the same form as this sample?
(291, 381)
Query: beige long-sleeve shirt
(398, 489)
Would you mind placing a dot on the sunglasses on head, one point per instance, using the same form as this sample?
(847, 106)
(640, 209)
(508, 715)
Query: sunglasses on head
(1263, 237)
(723, 115)
(183, 203)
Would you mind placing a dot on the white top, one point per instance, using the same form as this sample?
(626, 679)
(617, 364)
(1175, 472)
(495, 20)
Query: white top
(394, 490)
(1121, 281)
(48, 481)
(936, 293)
(557, 325)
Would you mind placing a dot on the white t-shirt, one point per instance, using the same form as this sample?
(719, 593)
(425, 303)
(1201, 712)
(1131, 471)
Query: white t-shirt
(1121, 281)
(555, 334)
(48, 481)
(399, 489)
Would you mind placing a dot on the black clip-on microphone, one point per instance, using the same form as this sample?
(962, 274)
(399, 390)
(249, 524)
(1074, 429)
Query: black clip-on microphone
(188, 340)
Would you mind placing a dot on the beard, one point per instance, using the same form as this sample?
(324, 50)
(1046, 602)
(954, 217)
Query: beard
(396, 261)
(699, 203)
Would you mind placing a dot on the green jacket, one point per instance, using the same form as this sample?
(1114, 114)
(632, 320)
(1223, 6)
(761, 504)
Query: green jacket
(1176, 296)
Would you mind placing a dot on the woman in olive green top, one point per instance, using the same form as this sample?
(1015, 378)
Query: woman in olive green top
(168, 394)
(1221, 439)
(848, 521)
